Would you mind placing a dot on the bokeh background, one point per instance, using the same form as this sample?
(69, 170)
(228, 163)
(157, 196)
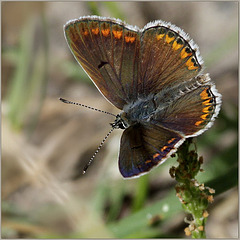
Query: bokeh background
(45, 143)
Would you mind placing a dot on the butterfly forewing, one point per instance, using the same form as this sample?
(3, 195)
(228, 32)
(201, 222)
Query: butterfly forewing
(167, 59)
(109, 53)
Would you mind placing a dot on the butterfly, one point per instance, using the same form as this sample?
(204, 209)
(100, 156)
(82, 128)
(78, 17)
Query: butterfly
(154, 76)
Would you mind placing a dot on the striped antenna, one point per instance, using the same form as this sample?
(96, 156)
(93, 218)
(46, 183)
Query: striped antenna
(82, 105)
(99, 147)
(101, 144)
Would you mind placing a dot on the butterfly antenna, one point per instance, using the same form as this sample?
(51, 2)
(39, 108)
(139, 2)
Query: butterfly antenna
(94, 155)
(82, 105)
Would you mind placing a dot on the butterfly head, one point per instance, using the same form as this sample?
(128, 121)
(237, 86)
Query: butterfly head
(120, 122)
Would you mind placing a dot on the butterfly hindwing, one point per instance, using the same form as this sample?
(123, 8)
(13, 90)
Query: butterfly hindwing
(144, 147)
(193, 111)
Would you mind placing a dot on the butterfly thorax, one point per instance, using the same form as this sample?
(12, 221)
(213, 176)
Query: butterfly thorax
(139, 111)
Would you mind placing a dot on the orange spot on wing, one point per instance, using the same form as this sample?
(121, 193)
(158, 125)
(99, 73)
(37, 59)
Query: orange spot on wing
(198, 123)
(206, 109)
(168, 39)
(117, 34)
(105, 32)
(160, 36)
(129, 39)
(204, 116)
(164, 148)
(176, 46)
(204, 94)
(148, 161)
(171, 140)
(207, 102)
(184, 54)
(156, 155)
(85, 33)
(95, 31)
(190, 64)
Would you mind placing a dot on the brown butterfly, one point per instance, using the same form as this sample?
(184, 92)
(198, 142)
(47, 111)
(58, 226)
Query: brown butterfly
(154, 76)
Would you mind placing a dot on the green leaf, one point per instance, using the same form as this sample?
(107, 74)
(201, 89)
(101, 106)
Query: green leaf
(166, 208)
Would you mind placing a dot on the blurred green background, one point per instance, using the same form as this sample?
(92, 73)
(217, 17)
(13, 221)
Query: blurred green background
(45, 144)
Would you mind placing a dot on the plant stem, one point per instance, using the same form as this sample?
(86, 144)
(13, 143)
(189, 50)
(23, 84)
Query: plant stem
(194, 196)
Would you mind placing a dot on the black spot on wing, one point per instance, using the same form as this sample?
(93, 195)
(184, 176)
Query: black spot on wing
(102, 64)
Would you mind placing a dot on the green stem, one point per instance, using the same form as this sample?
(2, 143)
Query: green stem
(141, 193)
(194, 196)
